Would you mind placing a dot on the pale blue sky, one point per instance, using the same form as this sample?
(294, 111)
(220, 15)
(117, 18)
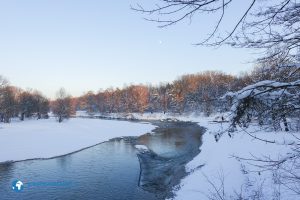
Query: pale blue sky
(90, 44)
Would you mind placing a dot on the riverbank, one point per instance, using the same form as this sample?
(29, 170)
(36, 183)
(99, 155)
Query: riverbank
(35, 139)
(222, 176)
(215, 173)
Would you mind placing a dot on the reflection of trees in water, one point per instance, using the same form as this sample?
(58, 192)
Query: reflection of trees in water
(64, 161)
(144, 139)
(179, 143)
(6, 170)
(160, 172)
(173, 136)
(124, 146)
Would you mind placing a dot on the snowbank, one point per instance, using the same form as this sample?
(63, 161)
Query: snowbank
(141, 147)
(130, 116)
(47, 138)
(218, 163)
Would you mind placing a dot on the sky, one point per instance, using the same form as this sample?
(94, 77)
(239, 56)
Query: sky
(85, 45)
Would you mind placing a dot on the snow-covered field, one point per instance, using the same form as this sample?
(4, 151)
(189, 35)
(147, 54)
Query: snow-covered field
(220, 168)
(47, 138)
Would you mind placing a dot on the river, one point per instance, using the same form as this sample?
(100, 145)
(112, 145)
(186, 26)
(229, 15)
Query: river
(111, 170)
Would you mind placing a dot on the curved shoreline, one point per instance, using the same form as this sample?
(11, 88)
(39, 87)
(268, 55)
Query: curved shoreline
(33, 159)
(152, 122)
(68, 129)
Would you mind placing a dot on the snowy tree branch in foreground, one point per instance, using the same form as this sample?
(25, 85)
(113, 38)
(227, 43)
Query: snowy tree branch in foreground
(265, 101)
(270, 103)
(269, 25)
(286, 168)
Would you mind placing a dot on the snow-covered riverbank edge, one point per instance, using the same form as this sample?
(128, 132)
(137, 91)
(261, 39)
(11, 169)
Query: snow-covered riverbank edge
(41, 139)
(224, 174)
(220, 171)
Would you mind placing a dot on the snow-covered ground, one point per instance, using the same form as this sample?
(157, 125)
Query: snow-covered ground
(219, 165)
(47, 138)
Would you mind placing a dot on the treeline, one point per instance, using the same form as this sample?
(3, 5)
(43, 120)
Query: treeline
(199, 92)
(269, 94)
(194, 92)
(184, 94)
(15, 102)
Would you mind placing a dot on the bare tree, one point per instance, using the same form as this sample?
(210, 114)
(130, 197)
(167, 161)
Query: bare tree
(62, 106)
(32, 103)
(269, 25)
(8, 104)
(42, 105)
(89, 102)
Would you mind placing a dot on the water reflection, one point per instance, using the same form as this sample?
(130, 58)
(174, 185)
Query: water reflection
(64, 161)
(171, 147)
(173, 139)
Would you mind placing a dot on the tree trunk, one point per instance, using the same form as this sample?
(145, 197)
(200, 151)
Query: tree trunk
(22, 116)
(39, 116)
(286, 128)
(60, 119)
